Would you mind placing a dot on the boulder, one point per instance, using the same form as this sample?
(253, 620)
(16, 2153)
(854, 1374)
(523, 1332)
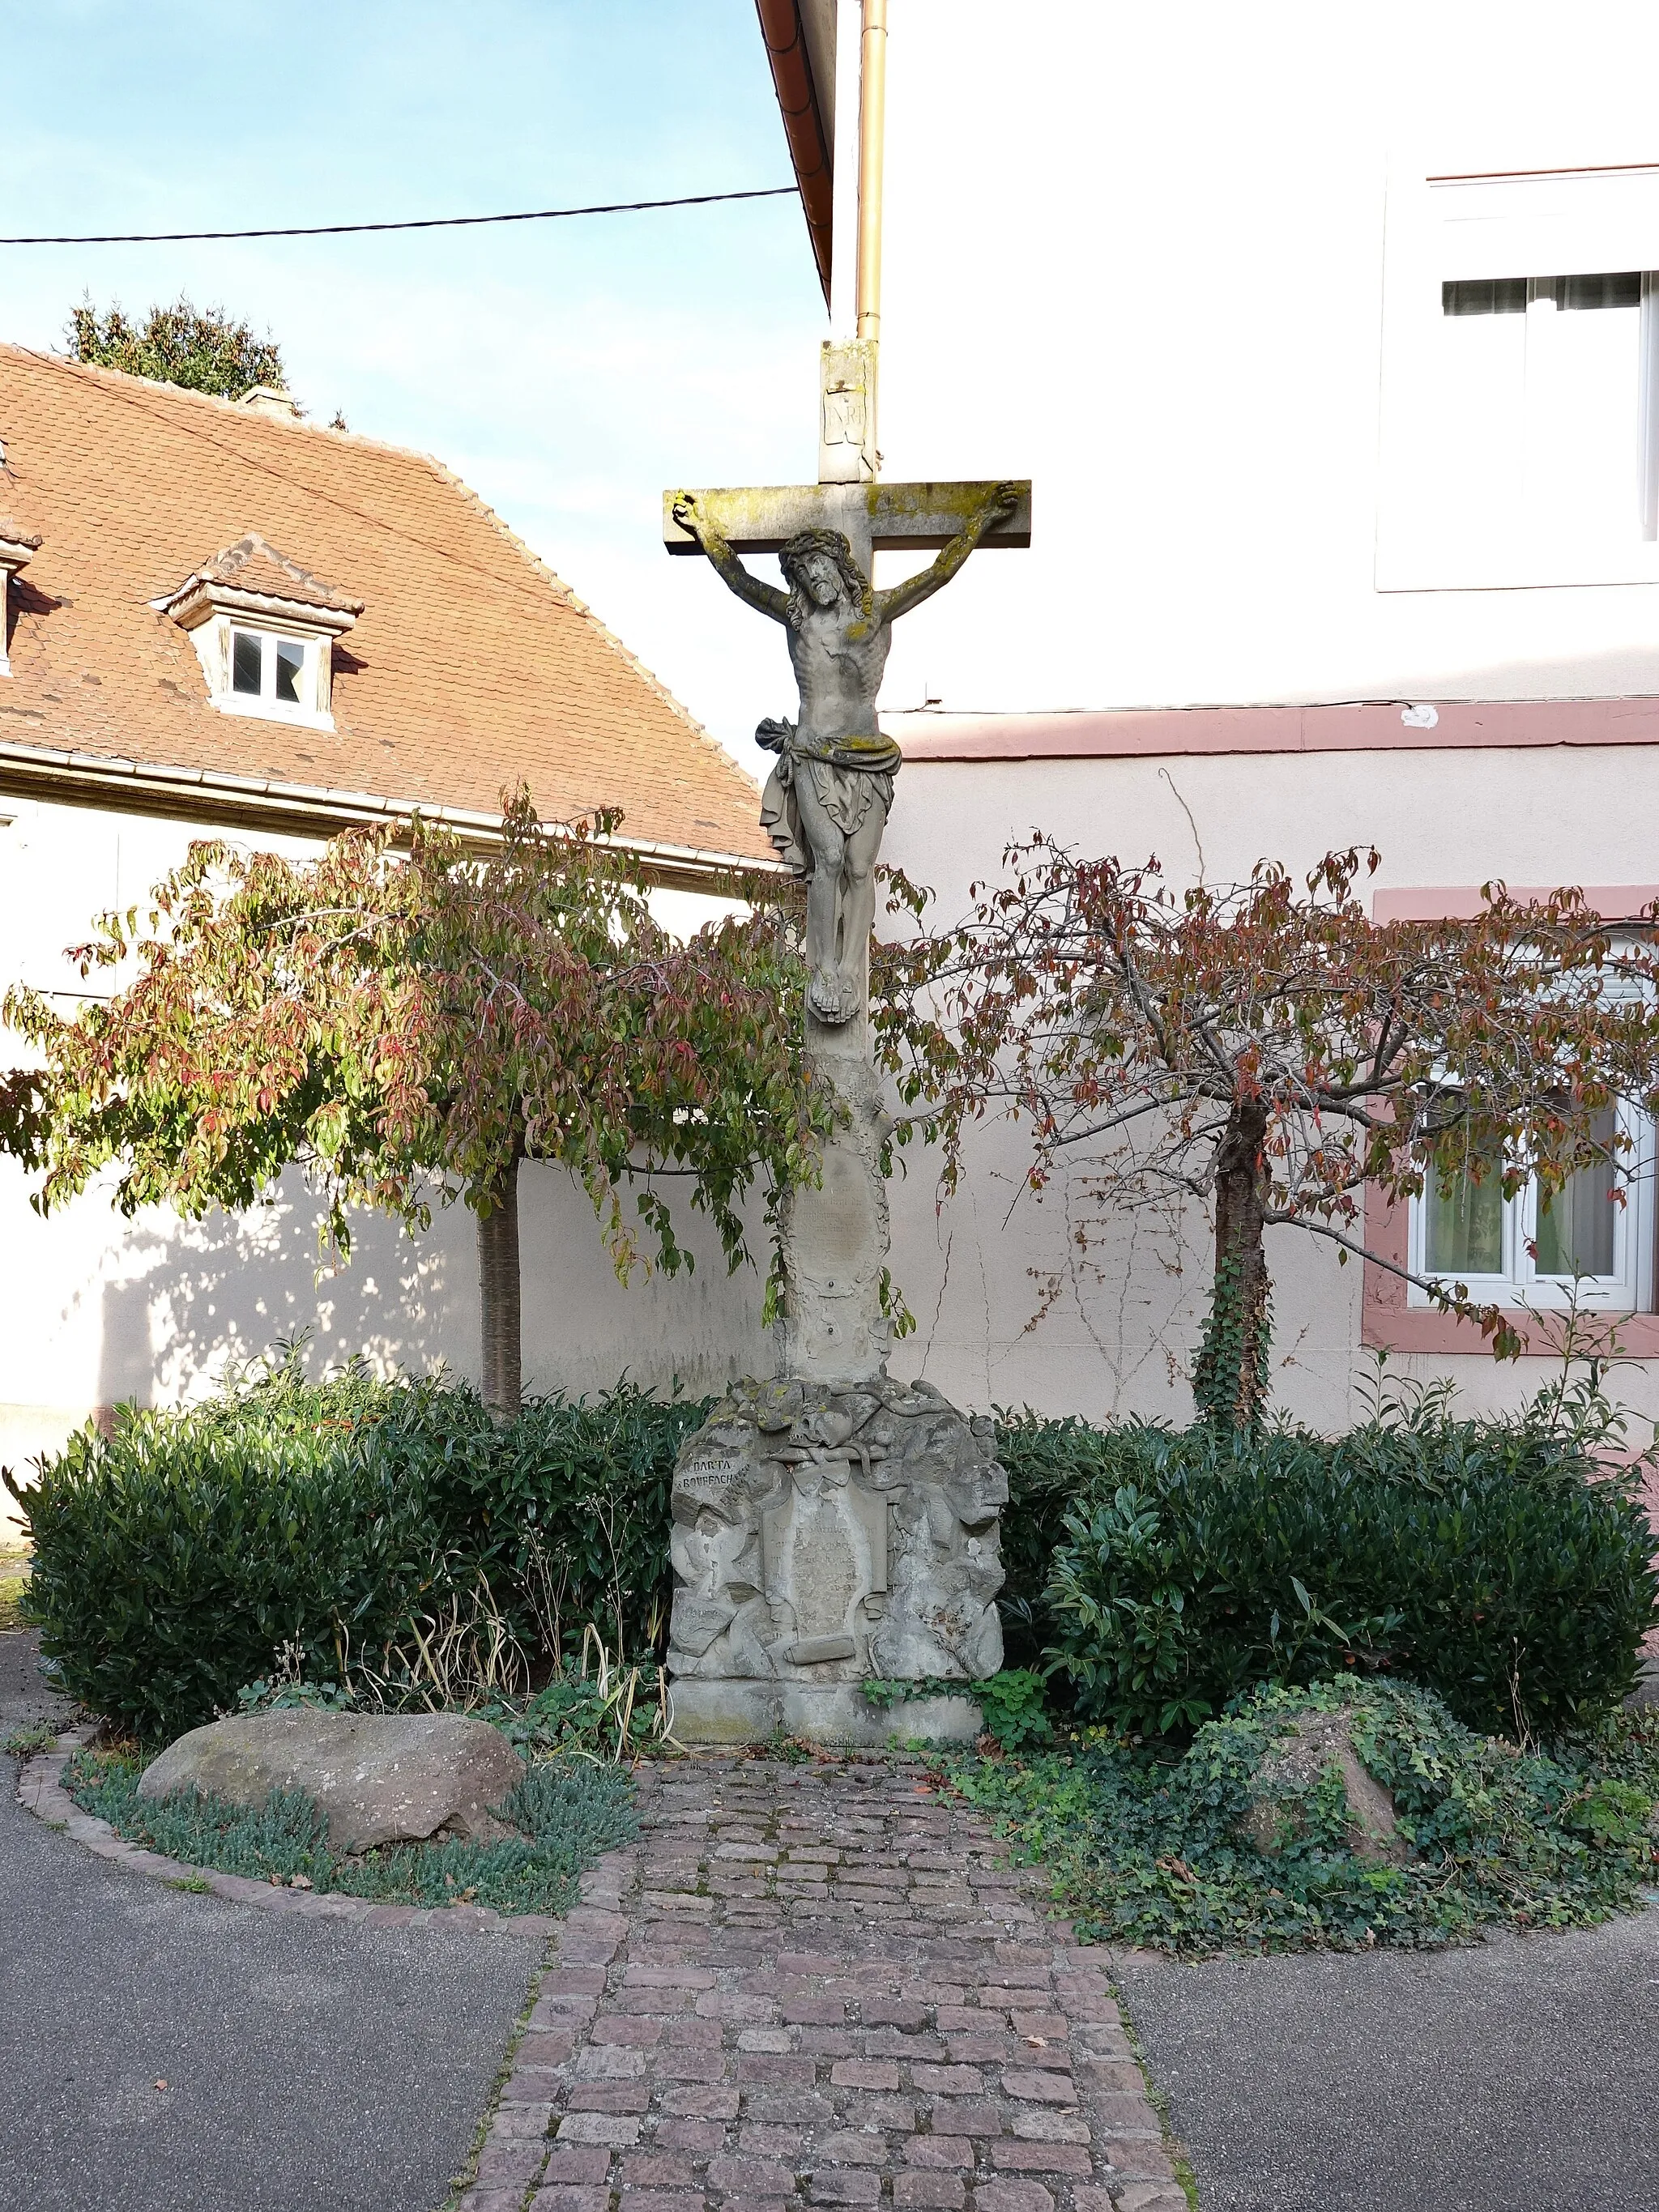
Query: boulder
(1310, 1744)
(379, 1777)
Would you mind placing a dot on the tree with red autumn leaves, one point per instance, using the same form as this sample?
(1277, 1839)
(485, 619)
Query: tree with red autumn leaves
(1270, 1051)
(412, 1024)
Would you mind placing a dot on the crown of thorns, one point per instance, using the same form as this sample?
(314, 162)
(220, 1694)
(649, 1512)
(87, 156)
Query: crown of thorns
(794, 553)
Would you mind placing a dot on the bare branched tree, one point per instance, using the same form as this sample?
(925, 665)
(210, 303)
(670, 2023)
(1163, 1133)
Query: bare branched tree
(1270, 1050)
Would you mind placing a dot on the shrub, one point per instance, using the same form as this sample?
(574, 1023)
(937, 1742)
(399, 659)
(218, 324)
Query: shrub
(1149, 1850)
(173, 1557)
(1485, 1559)
(391, 1535)
(1051, 1465)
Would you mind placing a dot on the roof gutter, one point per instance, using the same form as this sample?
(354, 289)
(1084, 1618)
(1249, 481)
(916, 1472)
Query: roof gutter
(804, 110)
(190, 794)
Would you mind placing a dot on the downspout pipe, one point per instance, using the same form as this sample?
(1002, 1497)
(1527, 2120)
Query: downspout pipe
(872, 130)
(803, 122)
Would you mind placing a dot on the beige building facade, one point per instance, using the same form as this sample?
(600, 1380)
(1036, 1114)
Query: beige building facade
(1331, 345)
(222, 621)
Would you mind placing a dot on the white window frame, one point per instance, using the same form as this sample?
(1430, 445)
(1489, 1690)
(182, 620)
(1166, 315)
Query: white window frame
(1538, 223)
(215, 643)
(1628, 1289)
(265, 700)
(15, 554)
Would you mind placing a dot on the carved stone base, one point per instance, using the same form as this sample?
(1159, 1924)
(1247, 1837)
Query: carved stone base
(736, 1711)
(823, 1536)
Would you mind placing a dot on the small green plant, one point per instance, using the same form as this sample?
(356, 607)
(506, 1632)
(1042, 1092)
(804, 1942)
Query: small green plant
(885, 1695)
(791, 1749)
(24, 1742)
(1010, 1704)
(1013, 1704)
(1611, 1812)
(286, 1690)
(615, 1711)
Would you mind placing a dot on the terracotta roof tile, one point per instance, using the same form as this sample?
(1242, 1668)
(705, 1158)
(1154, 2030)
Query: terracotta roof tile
(472, 666)
(253, 566)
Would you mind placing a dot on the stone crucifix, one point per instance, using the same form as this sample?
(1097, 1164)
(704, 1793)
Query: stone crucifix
(825, 808)
(833, 1524)
(826, 804)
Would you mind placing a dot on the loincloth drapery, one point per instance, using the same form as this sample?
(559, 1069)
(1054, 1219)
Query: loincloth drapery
(847, 778)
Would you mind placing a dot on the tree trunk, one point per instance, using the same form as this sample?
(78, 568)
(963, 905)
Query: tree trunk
(1230, 1382)
(498, 1286)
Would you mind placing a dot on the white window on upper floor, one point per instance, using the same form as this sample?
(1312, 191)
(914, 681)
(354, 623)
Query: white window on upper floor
(272, 669)
(1582, 1244)
(1520, 436)
(263, 629)
(16, 551)
(1545, 403)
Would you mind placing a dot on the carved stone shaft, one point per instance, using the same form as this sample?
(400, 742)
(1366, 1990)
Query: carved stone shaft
(836, 1240)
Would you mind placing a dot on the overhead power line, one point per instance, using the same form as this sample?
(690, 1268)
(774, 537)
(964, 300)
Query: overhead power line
(416, 222)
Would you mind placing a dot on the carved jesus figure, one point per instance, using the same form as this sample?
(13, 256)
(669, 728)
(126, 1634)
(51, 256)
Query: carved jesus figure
(826, 803)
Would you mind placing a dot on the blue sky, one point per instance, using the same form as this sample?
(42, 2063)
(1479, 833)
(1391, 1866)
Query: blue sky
(568, 370)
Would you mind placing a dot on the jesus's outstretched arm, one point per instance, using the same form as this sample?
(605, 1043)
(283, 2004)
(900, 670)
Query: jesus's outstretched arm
(765, 599)
(899, 598)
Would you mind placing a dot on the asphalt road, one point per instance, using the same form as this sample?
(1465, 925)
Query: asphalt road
(308, 2064)
(1521, 2075)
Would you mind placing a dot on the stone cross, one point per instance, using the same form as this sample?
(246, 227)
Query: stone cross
(826, 809)
(833, 1525)
(875, 516)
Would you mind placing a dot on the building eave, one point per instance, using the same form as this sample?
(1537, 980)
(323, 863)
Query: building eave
(212, 797)
(806, 107)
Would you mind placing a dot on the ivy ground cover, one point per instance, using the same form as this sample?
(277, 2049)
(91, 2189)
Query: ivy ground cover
(1148, 1843)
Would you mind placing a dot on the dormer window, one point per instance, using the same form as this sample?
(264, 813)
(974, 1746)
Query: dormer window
(263, 629)
(16, 551)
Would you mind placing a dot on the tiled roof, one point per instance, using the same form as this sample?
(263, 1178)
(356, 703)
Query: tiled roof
(471, 668)
(253, 566)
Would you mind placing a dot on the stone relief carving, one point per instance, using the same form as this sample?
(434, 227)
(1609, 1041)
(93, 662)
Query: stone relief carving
(825, 1536)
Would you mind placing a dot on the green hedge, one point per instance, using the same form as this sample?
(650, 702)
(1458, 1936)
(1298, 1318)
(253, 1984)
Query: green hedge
(1162, 1574)
(1052, 1465)
(174, 1557)
(1484, 1559)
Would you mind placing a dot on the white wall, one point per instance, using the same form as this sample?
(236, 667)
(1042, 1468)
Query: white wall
(1162, 261)
(1138, 255)
(94, 1308)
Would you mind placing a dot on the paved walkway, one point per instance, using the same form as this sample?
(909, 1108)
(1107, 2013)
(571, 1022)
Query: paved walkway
(806, 1985)
(1521, 2076)
(815, 1978)
(309, 2065)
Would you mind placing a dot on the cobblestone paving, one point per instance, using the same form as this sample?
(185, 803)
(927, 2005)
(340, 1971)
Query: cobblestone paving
(814, 1985)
